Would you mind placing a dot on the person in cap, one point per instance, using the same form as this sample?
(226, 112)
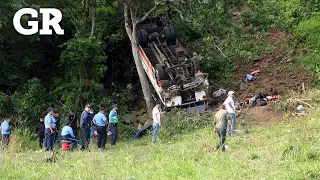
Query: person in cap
(113, 121)
(49, 129)
(68, 135)
(220, 123)
(156, 116)
(85, 124)
(231, 108)
(100, 121)
(5, 128)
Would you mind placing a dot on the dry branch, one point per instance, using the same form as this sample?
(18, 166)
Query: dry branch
(299, 101)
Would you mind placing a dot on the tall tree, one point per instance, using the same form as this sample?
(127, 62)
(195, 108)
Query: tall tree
(131, 10)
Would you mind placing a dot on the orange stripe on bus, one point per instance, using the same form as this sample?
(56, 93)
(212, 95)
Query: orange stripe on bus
(146, 60)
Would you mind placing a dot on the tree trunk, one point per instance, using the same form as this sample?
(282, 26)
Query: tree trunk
(132, 33)
(142, 75)
(93, 15)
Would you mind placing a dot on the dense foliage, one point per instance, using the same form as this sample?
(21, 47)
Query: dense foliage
(92, 62)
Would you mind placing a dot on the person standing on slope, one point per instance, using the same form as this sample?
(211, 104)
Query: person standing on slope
(5, 129)
(49, 129)
(85, 124)
(113, 121)
(100, 120)
(221, 121)
(156, 116)
(231, 108)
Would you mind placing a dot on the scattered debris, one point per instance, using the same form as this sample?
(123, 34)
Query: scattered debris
(249, 77)
(255, 72)
(294, 102)
(299, 107)
(220, 92)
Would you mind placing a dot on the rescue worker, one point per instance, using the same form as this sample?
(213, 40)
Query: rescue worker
(49, 129)
(85, 124)
(100, 121)
(5, 128)
(113, 121)
(68, 135)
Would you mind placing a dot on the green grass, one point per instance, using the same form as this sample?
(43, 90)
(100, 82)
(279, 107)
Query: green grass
(286, 150)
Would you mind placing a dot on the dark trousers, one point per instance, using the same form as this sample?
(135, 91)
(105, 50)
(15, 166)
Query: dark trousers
(49, 139)
(114, 130)
(85, 138)
(222, 135)
(102, 136)
(73, 141)
(41, 140)
(5, 140)
(55, 137)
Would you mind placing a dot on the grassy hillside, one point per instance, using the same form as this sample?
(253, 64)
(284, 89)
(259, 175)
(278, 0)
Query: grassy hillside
(286, 150)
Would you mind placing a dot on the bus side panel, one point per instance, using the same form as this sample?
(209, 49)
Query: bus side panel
(149, 69)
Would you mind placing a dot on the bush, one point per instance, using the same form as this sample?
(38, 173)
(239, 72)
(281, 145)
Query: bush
(281, 106)
(30, 103)
(308, 32)
(178, 123)
(23, 140)
(6, 108)
(123, 98)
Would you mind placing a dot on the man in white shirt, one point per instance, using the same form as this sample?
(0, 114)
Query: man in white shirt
(156, 116)
(231, 108)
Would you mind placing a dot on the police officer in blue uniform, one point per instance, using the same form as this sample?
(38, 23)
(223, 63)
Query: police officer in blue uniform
(49, 129)
(85, 124)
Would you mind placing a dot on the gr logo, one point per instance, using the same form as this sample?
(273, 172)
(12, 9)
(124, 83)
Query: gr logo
(46, 21)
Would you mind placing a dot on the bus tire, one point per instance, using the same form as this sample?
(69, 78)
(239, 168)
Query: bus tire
(161, 75)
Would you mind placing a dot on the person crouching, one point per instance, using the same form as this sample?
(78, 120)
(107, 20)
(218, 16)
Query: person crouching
(67, 135)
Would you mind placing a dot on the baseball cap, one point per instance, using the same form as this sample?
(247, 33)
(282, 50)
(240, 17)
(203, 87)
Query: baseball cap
(230, 93)
(115, 105)
(88, 106)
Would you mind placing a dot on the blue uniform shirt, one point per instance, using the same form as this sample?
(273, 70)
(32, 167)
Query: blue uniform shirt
(113, 116)
(54, 123)
(48, 120)
(5, 128)
(100, 119)
(66, 131)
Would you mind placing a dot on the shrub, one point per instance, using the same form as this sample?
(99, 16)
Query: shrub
(308, 32)
(30, 103)
(178, 123)
(281, 106)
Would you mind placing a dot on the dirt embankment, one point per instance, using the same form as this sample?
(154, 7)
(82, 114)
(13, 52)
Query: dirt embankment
(278, 72)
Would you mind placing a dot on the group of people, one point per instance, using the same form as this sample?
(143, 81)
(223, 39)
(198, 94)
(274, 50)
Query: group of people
(224, 122)
(47, 129)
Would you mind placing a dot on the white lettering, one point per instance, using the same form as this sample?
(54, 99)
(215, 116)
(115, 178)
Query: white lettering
(46, 21)
(54, 22)
(32, 24)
